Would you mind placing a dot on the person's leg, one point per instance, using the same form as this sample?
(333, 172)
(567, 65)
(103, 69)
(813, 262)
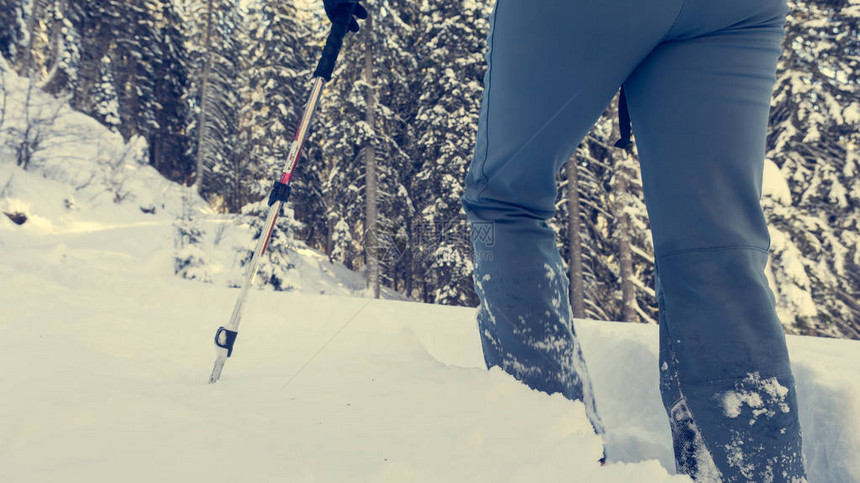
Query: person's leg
(699, 105)
(553, 66)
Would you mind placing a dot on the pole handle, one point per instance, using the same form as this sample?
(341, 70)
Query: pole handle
(333, 43)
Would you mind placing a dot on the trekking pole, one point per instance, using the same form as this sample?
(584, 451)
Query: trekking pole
(225, 337)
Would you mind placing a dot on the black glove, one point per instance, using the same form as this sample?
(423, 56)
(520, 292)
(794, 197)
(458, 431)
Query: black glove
(338, 11)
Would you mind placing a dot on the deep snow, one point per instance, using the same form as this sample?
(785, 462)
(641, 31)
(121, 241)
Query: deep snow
(106, 357)
(105, 354)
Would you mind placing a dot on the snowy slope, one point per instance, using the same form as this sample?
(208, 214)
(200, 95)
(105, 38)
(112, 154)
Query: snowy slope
(105, 356)
(85, 183)
(110, 354)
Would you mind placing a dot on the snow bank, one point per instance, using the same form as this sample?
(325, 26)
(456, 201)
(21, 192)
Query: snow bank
(86, 186)
(774, 183)
(106, 380)
(105, 357)
(110, 385)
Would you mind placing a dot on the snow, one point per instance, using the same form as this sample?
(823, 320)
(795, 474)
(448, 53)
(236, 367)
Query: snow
(105, 357)
(733, 401)
(774, 183)
(110, 356)
(851, 114)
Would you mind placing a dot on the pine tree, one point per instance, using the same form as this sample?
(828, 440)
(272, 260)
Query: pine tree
(65, 54)
(593, 174)
(574, 237)
(273, 97)
(11, 32)
(373, 236)
(451, 71)
(215, 40)
(189, 260)
(631, 235)
(86, 70)
(276, 76)
(168, 141)
(105, 103)
(616, 250)
(94, 84)
(276, 266)
(346, 138)
(308, 193)
(813, 193)
(339, 136)
(148, 62)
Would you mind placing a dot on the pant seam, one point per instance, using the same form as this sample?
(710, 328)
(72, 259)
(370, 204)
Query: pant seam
(529, 141)
(488, 88)
(675, 22)
(713, 249)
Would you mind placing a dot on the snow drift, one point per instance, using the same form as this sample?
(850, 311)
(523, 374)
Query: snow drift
(105, 357)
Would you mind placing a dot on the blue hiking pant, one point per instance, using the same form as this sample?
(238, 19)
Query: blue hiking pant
(698, 76)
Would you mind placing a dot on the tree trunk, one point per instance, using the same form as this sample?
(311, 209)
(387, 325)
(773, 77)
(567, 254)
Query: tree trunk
(204, 84)
(25, 55)
(328, 230)
(93, 49)
(625, 253)
(574, 262)
(410, 260)
(55, 81)
(5, 99)
(370, 165)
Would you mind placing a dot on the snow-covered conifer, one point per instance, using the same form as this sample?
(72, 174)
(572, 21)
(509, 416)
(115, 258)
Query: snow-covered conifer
(346, 138)
(812, 192)
(273, 99)
(280, 257)
(450, 81)
(215, 36)
(11, 21)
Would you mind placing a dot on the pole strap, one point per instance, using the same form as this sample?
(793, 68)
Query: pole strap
(624, 124)
(280, 192)
(225, 339)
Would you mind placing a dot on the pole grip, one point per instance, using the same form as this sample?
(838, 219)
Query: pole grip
(333, 43)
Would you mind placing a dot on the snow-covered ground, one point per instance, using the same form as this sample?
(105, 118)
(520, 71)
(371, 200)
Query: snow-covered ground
(105, 357)
(105, 354)
(83, 182)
